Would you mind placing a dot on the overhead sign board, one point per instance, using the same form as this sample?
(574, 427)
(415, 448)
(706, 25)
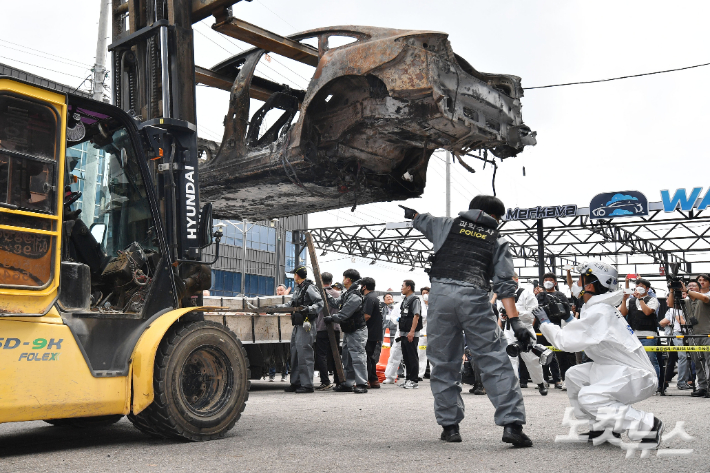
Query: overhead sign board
(535, 213)
(684, 201)
(618, 204)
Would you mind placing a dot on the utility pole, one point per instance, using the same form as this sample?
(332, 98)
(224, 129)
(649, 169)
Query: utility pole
(97, 88)
(245, 231)
(448, 184)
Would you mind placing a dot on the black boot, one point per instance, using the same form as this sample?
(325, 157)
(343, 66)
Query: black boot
(654, 437)
(451, 433)
(592, 434)
(543, 390)
(292, 388)
(513, 433)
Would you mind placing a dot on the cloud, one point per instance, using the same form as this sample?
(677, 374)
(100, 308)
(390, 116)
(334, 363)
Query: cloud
(618, 197)
(620, 212)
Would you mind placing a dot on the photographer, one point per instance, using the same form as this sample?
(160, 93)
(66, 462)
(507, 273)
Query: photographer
(672, 322)
(550, 294)
(640, 312)
(525, 302)
(621, 373)
(700, 319)
(352, 323)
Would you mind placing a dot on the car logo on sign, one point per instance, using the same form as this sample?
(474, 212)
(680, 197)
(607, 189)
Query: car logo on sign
(618, 204)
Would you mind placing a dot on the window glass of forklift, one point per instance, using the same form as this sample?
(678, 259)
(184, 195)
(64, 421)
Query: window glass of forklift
(104, 167)
(28, 141)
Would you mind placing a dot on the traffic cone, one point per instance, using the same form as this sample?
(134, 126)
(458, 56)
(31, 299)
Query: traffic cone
(384, 356)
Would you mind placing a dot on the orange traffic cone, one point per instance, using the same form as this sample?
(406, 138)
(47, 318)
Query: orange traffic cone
(384, 356)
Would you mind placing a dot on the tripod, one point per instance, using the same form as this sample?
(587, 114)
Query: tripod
(686, 329)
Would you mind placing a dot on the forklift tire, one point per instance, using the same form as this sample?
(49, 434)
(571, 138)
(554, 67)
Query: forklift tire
(200, 382)
(86, 422)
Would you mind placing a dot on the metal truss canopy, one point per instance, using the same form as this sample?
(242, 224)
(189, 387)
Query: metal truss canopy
(660, 239)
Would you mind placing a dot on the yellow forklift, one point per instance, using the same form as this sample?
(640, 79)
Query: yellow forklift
(101, 320)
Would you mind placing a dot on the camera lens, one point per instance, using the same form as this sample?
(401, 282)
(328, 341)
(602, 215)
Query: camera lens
(513, 349)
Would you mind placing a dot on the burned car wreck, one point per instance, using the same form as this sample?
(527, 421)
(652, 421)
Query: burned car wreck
(374, 112)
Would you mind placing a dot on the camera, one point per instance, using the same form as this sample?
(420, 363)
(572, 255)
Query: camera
(556, 309)
(675, 283)
(513, 350)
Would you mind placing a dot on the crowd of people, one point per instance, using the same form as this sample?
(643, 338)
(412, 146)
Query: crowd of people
(461, 327)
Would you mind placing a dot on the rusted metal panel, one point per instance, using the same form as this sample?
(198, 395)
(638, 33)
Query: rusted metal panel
(212, 79)
(374, 112)
(267, 40)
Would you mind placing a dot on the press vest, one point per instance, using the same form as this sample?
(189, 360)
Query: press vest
(639, 321)
(467, 254)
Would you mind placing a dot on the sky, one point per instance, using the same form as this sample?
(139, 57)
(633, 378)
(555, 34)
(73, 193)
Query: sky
(644, 134)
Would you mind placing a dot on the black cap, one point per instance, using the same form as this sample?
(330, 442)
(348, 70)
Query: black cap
(302, 272)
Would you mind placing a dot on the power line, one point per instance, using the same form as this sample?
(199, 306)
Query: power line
(45, 58)
(617, 78)
(277, 15)
(40, 67)
(44, 52)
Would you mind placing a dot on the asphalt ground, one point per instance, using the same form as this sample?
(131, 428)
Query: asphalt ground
(388, 429)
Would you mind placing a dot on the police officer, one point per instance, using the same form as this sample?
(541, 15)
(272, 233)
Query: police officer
(304, 332)
(469, 253)
(352, 322)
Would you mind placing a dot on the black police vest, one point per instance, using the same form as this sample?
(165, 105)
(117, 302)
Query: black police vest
(406, 318)
(639, 321)
(303, 299)
(467, 254)
(357, 320)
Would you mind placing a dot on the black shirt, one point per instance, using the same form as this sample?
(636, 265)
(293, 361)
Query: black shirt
(371, 306)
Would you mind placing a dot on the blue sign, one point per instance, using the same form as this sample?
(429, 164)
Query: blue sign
(685, 201)
(618, 204)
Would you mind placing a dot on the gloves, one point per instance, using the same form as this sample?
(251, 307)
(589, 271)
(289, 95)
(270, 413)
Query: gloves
(409, 213)
(521, 333)
(328, 320)
(540, 315)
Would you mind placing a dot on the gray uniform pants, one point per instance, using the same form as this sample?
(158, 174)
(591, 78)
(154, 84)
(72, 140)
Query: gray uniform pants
(453, 311)
(355, 357)
(702, 362)
(302, 359)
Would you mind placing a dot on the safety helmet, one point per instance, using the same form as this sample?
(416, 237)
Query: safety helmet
(606, 274)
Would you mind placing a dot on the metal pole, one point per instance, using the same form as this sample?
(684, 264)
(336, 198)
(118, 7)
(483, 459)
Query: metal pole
(448, 184)
(91, 171)
(244, 256)
(540, 250)
(164, 66)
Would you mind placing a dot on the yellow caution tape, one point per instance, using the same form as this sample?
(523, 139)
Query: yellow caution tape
(663, 348)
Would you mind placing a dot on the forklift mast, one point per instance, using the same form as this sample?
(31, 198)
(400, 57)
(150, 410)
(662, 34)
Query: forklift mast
(154, 81)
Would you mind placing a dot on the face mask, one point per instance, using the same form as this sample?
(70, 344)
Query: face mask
(549, 284)
(426, 297)
(641, 290)
(576, 290)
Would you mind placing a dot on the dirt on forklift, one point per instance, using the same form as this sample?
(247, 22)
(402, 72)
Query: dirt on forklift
(99, 311)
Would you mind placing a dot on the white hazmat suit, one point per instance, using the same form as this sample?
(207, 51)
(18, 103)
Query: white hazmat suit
(421, 349)
(620, 373)
(525, 304)
(395, 357)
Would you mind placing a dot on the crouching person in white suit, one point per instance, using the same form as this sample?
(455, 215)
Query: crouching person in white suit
(620, 373)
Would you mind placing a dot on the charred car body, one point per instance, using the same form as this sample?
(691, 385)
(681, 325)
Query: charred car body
(374, 112)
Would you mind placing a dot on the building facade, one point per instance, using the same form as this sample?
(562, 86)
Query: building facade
(255, 257)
